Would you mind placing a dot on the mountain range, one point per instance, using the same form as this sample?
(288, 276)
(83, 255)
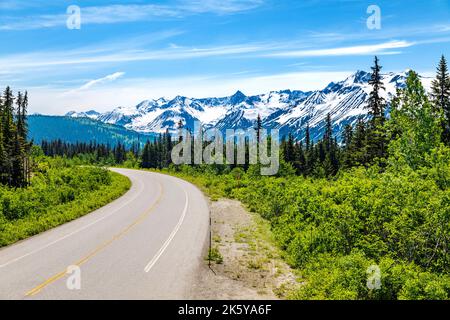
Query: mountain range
(287, 110)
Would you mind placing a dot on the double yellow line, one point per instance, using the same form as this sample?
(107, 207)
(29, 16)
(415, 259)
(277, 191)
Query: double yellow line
(100, 248)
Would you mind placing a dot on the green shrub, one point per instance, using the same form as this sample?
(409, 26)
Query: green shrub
(214, 255)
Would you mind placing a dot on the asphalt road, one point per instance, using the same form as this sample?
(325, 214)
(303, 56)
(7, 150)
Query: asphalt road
(148, 244)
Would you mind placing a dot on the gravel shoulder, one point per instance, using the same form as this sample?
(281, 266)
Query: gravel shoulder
(251, 266)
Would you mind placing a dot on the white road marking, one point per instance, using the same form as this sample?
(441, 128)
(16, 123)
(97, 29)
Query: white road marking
(158, 255)
(76, 231)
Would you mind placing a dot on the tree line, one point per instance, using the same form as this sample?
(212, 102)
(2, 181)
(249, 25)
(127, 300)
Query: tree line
(95, 152)
(14, 147)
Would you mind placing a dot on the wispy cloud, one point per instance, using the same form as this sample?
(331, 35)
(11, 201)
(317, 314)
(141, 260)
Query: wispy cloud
(219, 6)
(108, 78)
(42, 60)
(132, 13)
(114, 54)
(381, 48)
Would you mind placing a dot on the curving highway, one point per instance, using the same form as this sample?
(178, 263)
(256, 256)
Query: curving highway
(148, 244)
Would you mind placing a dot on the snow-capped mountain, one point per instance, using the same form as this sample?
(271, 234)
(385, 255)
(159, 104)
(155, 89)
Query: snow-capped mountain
(346, 101)
(92, 114)
(289, 111)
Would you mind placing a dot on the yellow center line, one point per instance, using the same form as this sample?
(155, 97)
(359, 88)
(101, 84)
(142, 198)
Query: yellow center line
(100, 248)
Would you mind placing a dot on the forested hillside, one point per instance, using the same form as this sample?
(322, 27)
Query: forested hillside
(85, 130)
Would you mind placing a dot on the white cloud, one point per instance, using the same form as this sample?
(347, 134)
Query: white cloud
(381, 48)
(108, 78)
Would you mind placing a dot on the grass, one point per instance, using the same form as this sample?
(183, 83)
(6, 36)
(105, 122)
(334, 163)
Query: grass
(215, 256)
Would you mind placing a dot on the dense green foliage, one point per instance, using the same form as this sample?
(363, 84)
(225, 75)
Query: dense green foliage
(58, 192)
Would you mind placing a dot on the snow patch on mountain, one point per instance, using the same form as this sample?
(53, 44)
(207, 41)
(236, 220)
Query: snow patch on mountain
(92, 114)
(286, 110)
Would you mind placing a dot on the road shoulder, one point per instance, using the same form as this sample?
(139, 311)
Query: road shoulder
(248, 265)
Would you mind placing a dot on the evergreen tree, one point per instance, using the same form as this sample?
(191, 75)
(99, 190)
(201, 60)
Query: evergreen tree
(376, 135)
(258, 129)
(358, 146)
(14, 148)
(309, 157)
(308, 138)
(8, 135)
(300, 160)
(440, 93)
(328, 136)
(289, 152)
(330, 148)
(376, 103)
(347, 136)
(347, 140)
(145, 161)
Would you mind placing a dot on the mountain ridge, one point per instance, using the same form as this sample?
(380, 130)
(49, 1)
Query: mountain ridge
(290, 111)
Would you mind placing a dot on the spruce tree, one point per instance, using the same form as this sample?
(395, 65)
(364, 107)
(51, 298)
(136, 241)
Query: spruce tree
(358, 145)
(347, 140)
(145, 161)
(300, 160)
(440, 94)
(376, 135)
(328, 136)
(258, 129)
(308, 152)
(24, 126)
(308, 138)
(8, 135)
(290, 152)
(2, 149)
(376, 103)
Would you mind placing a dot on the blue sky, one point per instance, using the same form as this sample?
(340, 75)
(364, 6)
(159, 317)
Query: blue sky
(127, 51)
